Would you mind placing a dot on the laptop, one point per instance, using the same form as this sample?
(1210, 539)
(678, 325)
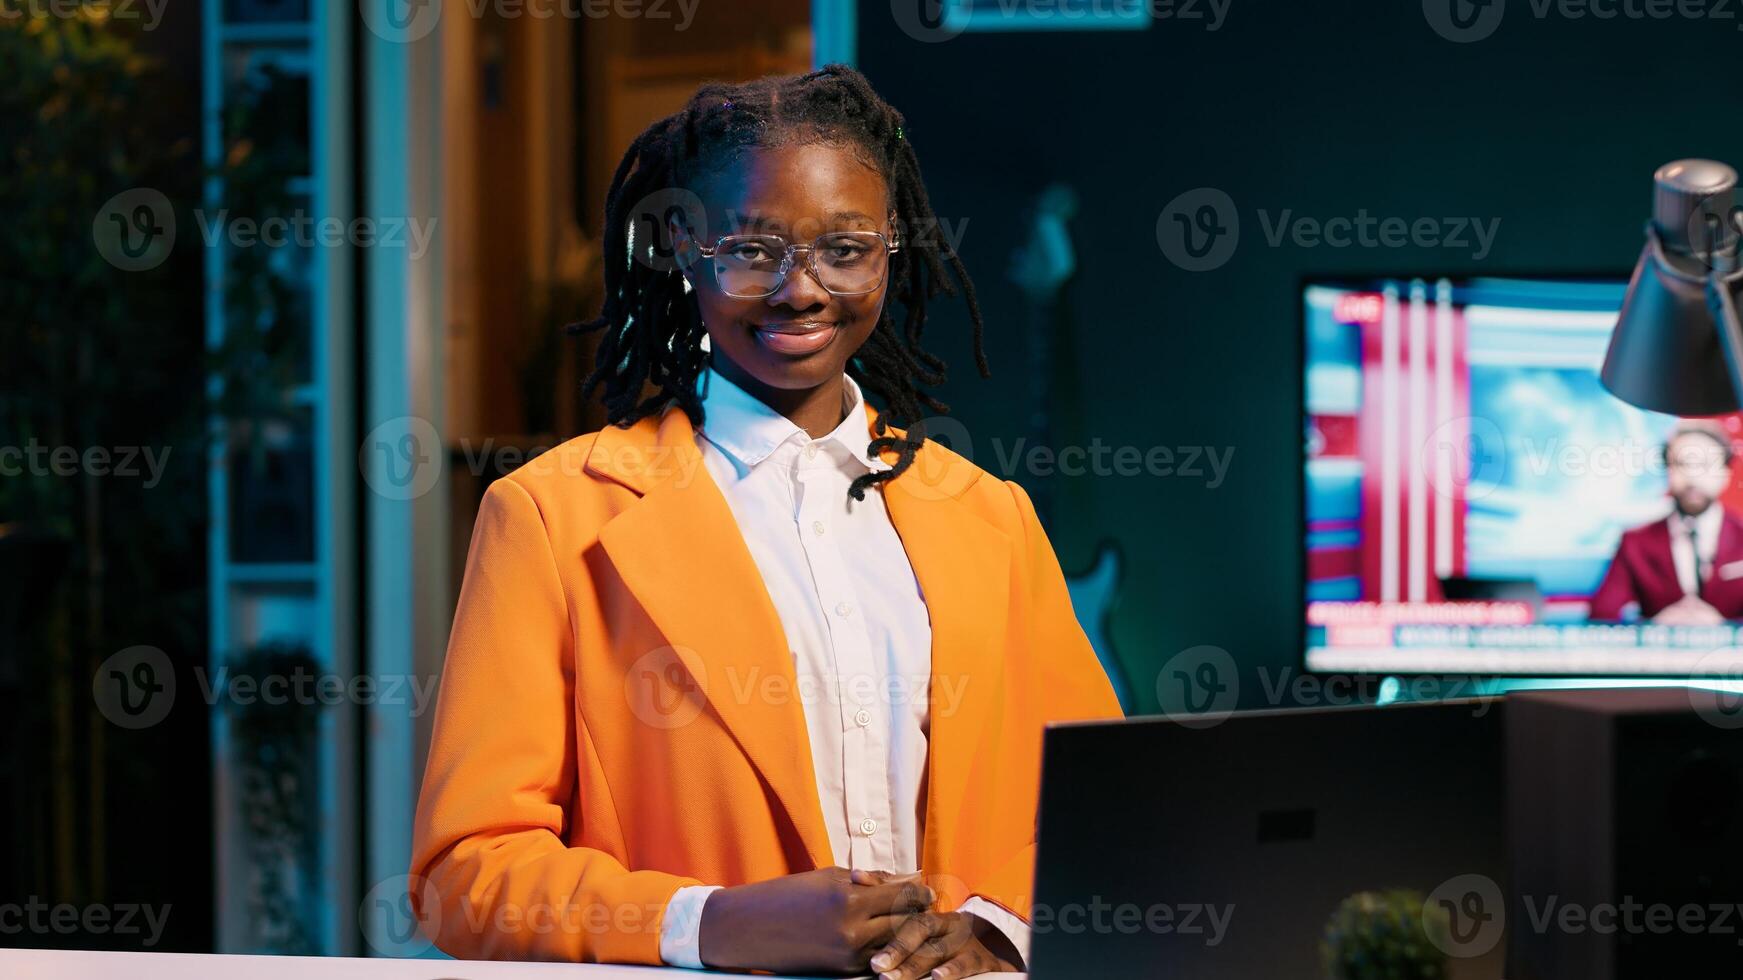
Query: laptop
(1222, 851)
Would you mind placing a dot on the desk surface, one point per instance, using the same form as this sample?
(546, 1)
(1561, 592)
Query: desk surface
(31, 964)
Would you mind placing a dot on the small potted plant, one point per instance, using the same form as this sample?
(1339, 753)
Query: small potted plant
(1383, 936)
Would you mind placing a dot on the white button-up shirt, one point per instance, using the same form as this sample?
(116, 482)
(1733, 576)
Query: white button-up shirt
(854, 615)
(1706, 529)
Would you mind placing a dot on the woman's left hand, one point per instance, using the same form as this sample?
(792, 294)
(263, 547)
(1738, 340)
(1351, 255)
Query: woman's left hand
(946, 945)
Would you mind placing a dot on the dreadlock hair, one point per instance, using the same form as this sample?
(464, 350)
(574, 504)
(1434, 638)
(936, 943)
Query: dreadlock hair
(653, 329)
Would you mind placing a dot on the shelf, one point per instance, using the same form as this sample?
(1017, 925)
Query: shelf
(287, 32)
(271, 572)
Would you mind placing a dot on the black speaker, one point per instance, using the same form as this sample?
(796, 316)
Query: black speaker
(1625, 816)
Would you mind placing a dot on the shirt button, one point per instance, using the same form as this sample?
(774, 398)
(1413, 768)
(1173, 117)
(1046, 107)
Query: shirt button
(868, 826)
(817, 526)
(842, 608)
(811, 451)
(862, 717)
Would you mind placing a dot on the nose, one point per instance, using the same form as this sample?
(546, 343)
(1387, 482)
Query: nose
(800, 290)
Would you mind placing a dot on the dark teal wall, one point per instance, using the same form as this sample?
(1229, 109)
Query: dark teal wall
(1553, 126)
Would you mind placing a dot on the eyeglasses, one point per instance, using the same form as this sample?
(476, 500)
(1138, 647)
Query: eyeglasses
(847, 263)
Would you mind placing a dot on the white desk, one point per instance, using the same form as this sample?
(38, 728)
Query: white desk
(30, 964)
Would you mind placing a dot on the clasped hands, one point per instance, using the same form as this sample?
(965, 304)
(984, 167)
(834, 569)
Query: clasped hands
(1688, 611)
(833, 920)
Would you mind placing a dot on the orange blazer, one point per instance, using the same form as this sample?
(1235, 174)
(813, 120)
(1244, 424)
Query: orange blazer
(618, 714)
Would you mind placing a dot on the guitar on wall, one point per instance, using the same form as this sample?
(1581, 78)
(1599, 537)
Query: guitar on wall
(1042, 267)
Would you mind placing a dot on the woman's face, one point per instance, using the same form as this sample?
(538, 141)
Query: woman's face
(800, 336)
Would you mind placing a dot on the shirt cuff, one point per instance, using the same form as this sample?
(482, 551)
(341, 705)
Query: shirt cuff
(681, 928)
(1005, 921)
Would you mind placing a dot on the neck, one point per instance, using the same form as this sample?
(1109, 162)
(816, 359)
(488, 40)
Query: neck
(816, 410)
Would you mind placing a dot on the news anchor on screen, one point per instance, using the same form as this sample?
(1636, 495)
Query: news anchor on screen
(755, 632)
(1687, 568)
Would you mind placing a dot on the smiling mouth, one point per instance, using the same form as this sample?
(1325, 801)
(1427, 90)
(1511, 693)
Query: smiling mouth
(806, 337)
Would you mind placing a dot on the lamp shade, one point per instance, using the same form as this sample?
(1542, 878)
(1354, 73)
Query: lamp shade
(1667, 354)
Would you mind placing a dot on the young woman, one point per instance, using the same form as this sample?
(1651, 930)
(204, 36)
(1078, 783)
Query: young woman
(755, 677)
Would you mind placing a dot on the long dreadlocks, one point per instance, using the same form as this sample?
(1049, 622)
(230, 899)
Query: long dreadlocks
(653, 330)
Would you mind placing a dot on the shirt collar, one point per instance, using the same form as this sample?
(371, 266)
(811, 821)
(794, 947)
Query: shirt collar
(740, 425)
(1707, 523)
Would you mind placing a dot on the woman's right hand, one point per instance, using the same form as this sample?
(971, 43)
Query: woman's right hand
(814, 922)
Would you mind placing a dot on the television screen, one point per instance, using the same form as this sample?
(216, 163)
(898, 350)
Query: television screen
(1478, 503)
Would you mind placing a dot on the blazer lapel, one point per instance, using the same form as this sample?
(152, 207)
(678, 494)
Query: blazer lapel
(679, 550)
(681, 553)
(963, 566)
